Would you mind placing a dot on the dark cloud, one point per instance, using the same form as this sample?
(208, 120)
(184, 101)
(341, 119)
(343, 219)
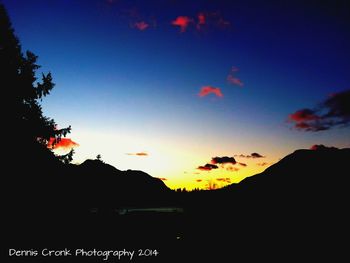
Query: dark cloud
(262, 164)
(332, 112)
(242, 164)
(225, 180)
(223, 160)
(208, 167)
(253, 155)
(257, 155)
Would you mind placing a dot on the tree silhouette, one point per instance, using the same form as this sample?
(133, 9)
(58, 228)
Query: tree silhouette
(67, 158)
(99, 157)
(24, 92)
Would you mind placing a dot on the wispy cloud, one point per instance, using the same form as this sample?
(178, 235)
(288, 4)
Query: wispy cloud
(142, 25)
(201, 20)
(232, 169)
(138, 154)
(252, 155)
(232, 79)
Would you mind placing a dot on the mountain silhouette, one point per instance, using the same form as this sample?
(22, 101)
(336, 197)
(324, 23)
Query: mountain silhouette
(296, 208)
(103, 186)
(305, 177)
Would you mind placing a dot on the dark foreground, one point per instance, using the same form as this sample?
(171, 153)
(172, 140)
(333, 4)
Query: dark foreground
(297, 210)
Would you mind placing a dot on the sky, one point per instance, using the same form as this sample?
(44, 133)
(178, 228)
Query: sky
(198, 93)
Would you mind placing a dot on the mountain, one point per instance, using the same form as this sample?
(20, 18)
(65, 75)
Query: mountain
(101, 185)
(297, 208)
(306, 177)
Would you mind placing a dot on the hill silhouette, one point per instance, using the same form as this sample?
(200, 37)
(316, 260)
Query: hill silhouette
(102, 186)
(296, 208)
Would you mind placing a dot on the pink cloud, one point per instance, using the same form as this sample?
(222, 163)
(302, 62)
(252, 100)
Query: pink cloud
(303, 115)
(142, 25)
(232, 79)
(183, 22)
(206, 90)
(201, 20)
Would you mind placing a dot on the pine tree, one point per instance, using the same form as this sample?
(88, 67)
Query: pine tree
(24, 116)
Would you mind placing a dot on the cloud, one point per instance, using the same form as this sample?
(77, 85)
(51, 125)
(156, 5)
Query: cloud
(217, 20)
(257, 155)
(211, 185)
(232, 169)
(199, 180)
(206, 90)
(223, 23)
(242, 164)
(142, 25)
(226, 180)
(235, 81)
(162, 178)
(210, 19)
(252, 155)
(232, 79)
(138, 154)
(207, 167)
(303, 115)
(332, 112)
(320, 147)
(201, 20)
(63, 143)
(223, 160)
(182, 22)
(262, 164)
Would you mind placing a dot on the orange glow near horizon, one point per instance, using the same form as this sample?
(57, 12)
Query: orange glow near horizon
(176, 162)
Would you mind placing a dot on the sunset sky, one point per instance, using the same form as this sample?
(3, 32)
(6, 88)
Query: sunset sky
(193, 92)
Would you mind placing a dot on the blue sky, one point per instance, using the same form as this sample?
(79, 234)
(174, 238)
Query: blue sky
(126, 90)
